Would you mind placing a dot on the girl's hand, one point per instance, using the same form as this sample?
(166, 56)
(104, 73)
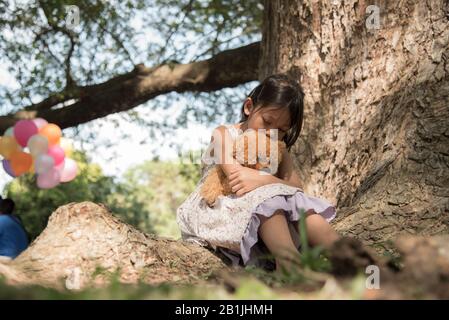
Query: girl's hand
(243, 180)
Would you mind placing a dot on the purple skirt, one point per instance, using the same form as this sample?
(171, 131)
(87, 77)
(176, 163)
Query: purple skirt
(252, 250)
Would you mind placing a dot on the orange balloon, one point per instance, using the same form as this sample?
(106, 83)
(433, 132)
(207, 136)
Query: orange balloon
(31, 170)
(52, 132)
(21, 162)
(8, 145)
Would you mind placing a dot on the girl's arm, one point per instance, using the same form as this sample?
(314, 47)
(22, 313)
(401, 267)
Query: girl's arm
(244, 179)
(286, 172)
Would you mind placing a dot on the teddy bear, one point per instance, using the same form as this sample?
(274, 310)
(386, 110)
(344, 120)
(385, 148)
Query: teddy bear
(248, 151)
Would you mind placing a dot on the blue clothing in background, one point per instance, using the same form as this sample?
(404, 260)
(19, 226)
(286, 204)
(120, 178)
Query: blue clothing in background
(13, 239)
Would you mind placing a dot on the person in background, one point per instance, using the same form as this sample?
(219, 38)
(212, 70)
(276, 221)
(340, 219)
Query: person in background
(13, 237)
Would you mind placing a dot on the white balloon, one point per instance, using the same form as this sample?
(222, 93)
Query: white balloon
(43, 163)
(66, 145)
(38, 145)
(69, 171)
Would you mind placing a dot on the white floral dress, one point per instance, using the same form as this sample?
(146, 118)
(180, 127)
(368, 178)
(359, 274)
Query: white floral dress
(232, 224)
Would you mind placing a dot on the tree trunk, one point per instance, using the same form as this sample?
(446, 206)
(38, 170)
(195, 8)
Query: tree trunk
(84, 245)
(376, 132)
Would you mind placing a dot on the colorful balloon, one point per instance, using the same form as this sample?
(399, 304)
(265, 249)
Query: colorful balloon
(40, 140)
(9, 132)
(23, 130)
(7, 168)
(69, 171)
(52, 132)
(21, 162)
(49, 179)
(38, 145)
(32, 169)
(60, 167)
(39, 122)
(57, 153)
(44, 163)
(67, 146)
(8, 145)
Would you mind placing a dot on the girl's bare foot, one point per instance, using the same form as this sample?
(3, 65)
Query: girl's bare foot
(289, 262)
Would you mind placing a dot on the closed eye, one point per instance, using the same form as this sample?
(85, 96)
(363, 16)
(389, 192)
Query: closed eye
(266, 121)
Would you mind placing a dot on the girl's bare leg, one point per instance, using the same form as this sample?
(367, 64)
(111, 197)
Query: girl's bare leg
(319, 232)
(276, 235)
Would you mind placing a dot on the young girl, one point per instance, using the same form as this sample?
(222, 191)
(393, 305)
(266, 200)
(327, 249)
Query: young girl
(261, 217)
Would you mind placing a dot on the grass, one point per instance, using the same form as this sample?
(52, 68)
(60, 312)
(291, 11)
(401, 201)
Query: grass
(311, 258)
(115, 290)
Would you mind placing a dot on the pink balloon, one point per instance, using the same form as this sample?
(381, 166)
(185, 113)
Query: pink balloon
(69, 171)
(39, 122)
(57, 153)
(49, 179)
(60, 166)
(23, 130)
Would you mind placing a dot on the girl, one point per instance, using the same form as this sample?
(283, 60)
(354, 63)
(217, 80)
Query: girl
(262, 215)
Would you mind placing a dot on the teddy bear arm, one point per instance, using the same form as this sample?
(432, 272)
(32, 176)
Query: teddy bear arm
(215, 185)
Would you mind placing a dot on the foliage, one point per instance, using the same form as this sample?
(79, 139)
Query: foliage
(42, 56)
(161, 187)
(46, 55)
(147, 197)
(34, 205)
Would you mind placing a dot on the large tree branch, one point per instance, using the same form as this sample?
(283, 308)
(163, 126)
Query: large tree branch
(69, 33)
(227, 69)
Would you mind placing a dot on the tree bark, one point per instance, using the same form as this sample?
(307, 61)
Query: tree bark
(227, 69)
(376, 138)
(85, 245)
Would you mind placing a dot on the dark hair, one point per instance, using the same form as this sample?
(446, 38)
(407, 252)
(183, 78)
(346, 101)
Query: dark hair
(7, 206)
(283, 91)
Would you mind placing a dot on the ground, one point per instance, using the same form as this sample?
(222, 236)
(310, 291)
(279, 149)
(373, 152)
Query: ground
(87, 252)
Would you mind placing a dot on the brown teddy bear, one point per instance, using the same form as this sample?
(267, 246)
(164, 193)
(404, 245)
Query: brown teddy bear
(246, 152)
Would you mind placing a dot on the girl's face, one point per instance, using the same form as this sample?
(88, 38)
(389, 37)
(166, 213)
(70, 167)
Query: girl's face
(267, 118)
